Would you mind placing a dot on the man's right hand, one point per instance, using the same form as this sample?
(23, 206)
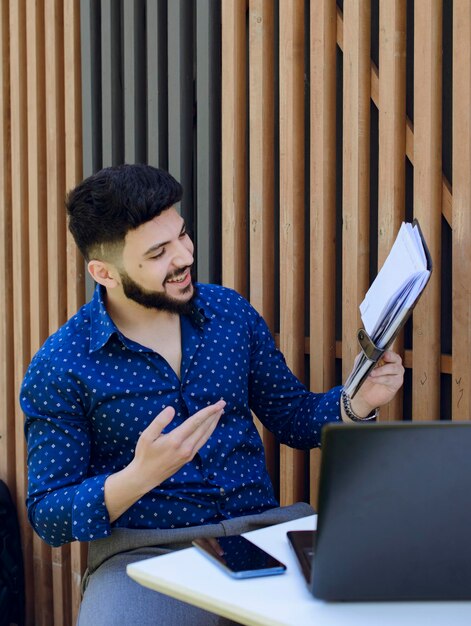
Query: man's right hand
(159, 455)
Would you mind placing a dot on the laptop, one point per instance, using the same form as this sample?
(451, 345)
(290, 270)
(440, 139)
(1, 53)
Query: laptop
(394, 514)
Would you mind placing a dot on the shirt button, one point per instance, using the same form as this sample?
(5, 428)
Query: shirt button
(210, 476)
(222, 491)
(222, 506)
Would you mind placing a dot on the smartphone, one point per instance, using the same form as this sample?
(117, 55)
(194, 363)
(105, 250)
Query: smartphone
(239, 557)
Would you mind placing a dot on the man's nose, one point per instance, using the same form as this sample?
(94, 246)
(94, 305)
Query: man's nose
(183, 254)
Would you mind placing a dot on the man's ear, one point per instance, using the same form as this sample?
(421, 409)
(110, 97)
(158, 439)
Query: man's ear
(103, 273)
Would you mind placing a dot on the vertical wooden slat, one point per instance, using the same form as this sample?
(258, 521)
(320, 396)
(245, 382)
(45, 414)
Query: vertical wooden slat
(109, 11)
(129, 65)
(208, 112)
(292, 218)
(152, 60)
(55, 179)
(73, 143)
(323, 26)
(174, 93)
(37, 202)
(75, 263)
(37, 172)
(234, 124)
(134, 81)
(356, 171)
(56, 238)
(392, 144)
(427, 201)
(20, 262)
(262, 173)
(111, 87)
(88, 57)
(180, 95)
(157, 109)
(262, 167)
(461, 376)
(7, 399)
(86, 54)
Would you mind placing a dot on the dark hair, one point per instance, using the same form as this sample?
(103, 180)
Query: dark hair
(106, 205)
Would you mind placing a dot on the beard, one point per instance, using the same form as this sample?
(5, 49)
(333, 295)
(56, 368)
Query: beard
(158, 299)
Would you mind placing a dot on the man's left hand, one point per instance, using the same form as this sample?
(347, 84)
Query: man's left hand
(381, 385)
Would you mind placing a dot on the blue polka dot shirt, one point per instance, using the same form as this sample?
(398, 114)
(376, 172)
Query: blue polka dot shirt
(90, 392)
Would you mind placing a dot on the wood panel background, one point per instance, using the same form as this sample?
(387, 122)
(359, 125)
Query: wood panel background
(304, 133)
(41, 273)
(359, 141)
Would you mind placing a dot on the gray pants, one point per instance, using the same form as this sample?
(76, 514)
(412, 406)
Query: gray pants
(111, 598)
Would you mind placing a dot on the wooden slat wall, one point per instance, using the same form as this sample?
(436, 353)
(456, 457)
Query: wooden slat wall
(86, 84)
(42, 275)
(299, 231)
(356, 148)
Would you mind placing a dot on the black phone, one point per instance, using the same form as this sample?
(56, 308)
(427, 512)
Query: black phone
(239, 557)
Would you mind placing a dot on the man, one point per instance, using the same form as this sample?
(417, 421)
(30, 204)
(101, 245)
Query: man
(138, 410)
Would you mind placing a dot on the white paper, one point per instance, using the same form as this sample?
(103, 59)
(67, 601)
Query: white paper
(391, 296)
(405, 267)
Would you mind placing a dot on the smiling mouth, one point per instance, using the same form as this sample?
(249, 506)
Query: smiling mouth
(181, 278)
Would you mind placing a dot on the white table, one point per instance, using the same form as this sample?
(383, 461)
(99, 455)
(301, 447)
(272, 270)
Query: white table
(282, 600)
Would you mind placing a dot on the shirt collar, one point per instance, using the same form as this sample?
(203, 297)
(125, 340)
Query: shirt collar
(199, 316)
(102, 326)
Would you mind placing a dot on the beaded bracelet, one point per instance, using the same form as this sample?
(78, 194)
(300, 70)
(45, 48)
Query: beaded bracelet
(347, 405)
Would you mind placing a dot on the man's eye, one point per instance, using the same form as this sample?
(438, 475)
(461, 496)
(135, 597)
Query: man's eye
(184, 233)
(158, 255)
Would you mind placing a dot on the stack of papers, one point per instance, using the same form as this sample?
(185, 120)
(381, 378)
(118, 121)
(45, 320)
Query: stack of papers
(390, 299)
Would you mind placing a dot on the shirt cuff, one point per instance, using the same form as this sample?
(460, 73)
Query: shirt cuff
(90, 518)
(330, 405)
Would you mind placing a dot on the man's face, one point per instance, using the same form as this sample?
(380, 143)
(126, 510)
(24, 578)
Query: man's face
(156, 264)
